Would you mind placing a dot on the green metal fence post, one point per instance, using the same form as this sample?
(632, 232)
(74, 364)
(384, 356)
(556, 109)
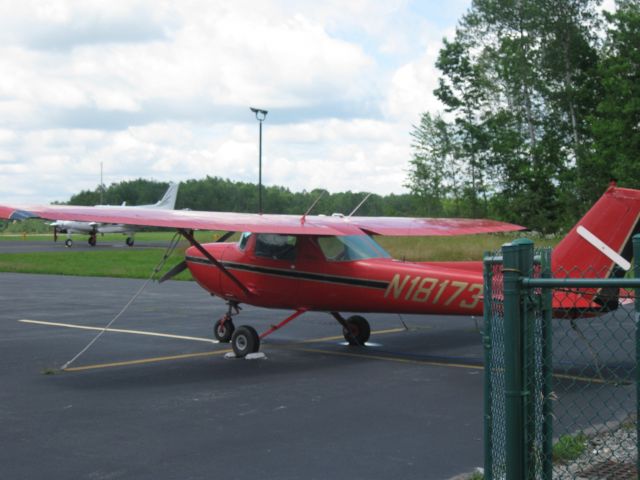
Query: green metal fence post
(488, 368)
(636, 272)
(547, 366)
(517, 262)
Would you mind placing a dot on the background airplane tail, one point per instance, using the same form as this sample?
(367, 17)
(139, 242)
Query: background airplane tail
(168, 201)
(599, 245)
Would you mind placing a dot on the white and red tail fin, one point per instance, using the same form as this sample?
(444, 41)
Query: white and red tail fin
(599, 245)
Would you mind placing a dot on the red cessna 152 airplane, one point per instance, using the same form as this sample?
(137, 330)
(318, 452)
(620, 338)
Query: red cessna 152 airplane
(333, 264)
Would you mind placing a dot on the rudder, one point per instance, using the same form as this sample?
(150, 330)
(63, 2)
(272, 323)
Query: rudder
(599, 245)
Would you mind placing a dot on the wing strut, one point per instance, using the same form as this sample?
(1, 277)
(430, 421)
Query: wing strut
(225, 237)
(359, 205)
(304, 217)
(188, 234)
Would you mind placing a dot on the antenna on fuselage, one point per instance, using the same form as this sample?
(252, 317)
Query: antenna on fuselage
(311, 207)
(359, 205)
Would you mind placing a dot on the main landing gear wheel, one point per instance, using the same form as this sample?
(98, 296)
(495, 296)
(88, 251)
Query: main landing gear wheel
(223, 330)
(359, 330)
(92, 240)
(245, 340)
(68, 242)
(129, 241)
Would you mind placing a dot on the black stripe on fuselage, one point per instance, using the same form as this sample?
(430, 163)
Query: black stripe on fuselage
(318, 277)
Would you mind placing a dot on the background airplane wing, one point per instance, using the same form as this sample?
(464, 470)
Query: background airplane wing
(250, 222)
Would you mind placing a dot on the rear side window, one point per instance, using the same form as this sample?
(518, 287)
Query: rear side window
(350, 247)
(276, 247)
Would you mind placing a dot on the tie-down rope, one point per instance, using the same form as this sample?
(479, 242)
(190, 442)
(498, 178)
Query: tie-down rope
(170, 248)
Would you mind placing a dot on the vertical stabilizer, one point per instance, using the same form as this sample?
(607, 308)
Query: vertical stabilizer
(168, 201)
(599, 245)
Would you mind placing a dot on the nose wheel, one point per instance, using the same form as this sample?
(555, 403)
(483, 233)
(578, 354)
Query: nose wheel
(223, 329)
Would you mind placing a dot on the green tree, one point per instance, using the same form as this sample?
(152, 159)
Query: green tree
(463, 88)
(517, 83)
(433, 173)
(616, 124)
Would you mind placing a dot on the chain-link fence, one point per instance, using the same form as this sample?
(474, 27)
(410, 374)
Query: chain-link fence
(561, 391)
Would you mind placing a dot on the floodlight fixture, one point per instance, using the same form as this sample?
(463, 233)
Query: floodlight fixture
(260, 114)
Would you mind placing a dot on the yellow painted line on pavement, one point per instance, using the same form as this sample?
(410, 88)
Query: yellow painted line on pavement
(577, 378)
(386, 357)
(119, 330)
(145, 360)
(341, 337)
(431, 363)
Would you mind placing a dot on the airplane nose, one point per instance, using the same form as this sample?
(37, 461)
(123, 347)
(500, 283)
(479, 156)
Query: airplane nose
(203, 269)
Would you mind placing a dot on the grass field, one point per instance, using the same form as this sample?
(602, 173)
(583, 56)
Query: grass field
(461, 248)
(129, 263)
(139, 262)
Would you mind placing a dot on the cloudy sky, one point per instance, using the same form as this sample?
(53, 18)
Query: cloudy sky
(161, 89)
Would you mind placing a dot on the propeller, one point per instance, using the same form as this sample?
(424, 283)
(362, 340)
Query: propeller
(180, 267)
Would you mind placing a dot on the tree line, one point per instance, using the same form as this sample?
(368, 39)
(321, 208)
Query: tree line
(218, 194)
(541, 109)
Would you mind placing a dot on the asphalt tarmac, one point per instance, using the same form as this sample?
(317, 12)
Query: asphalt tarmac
(159, 400)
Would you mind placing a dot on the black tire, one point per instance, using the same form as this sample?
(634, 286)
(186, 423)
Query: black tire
(92, 241)
(223, 330)
(359, 330)
(68, 242)
(245, 340)
(129, 241)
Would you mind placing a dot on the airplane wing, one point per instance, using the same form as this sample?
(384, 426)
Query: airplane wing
(403, 226)
(249, 222)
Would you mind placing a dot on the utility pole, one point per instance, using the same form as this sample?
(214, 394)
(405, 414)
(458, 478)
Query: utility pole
(260, 116)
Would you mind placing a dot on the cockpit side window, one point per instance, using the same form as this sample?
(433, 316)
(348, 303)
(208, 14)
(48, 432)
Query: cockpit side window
(276, 247)
(244, 239)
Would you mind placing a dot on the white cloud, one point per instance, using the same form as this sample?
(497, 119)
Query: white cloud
(608, 5)
(412, 85)
(161, 89)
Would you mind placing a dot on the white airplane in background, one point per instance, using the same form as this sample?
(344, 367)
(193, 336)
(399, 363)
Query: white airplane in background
(167, 202)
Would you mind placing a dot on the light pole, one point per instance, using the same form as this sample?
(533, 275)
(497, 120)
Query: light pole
(260, 116)
(101, 187)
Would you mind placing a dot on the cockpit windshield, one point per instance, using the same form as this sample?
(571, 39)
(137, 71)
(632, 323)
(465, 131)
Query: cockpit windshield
(351, 247)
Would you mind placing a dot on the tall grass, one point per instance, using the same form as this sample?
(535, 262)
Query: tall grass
(458, 248)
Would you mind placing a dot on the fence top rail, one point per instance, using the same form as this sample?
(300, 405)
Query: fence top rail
(497, 260)
(581, 282)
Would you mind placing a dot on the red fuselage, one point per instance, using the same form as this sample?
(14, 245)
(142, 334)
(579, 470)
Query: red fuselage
(310, 281)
